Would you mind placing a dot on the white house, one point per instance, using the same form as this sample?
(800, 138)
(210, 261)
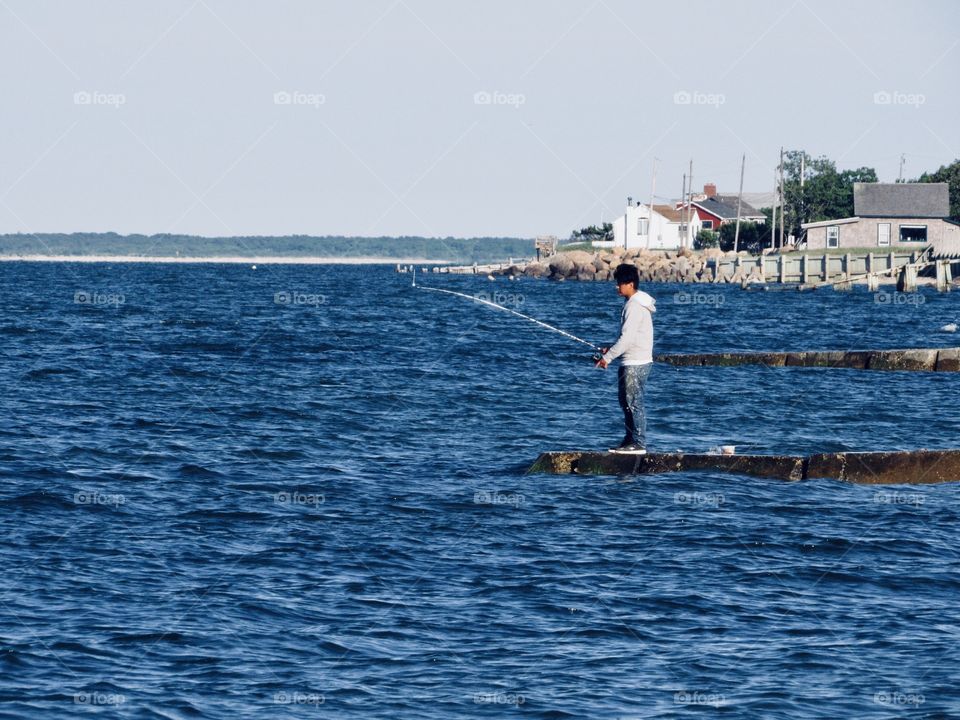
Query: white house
(666, 230)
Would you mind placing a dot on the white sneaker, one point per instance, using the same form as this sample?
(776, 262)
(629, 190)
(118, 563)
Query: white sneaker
(631, 449)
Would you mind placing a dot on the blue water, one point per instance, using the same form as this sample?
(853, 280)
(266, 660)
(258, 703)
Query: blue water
(216, 505)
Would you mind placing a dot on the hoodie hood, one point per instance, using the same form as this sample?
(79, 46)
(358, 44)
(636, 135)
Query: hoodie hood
(646, 300)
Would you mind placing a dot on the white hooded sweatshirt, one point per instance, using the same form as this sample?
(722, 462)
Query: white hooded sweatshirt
(635, 343)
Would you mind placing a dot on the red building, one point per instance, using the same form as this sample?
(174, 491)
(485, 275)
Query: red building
(714, 210)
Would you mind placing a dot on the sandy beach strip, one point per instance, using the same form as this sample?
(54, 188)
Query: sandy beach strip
(260, 260)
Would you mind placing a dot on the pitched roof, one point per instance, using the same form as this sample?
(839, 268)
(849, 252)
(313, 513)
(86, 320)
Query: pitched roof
(921, 200)
(725, 210)
(669, 212)
(746, 209)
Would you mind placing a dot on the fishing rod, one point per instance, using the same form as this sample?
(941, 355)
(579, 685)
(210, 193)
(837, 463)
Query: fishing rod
(506, 309)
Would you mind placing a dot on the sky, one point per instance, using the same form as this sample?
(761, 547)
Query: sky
(441, 118)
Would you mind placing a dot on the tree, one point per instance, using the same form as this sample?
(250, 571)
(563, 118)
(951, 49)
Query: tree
(749, 239)
(706, 239)
(949, 174)
(593, 233)
(825, 193)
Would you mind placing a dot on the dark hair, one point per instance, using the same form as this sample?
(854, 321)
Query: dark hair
(627, 274)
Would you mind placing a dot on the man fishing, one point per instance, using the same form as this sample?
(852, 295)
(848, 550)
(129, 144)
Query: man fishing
(635, 350)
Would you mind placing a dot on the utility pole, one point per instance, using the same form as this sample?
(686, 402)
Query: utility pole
(690, 201)
(736, 233)
(626, 224)
(773, 227)
(802, 202)
(783, 200)
(903, 159)
(684, 216)
(653, 190)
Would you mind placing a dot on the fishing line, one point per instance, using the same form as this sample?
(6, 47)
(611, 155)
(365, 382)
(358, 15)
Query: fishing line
(506, 309)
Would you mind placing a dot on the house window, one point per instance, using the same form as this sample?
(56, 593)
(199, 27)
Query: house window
(913, 233)
(643, 226)
(883, 234)
(833, 236)
(708, 224)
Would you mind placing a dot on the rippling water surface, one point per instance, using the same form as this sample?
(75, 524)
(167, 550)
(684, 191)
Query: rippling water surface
(298, 492)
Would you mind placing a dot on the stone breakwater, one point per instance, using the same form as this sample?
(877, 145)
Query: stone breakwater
(914, 359)
(868, 468)
(685, 266)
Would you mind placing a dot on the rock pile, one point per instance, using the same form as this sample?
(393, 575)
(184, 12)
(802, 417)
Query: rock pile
(687, 266)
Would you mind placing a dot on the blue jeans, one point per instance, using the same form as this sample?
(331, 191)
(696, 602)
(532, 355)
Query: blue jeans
(631, 380)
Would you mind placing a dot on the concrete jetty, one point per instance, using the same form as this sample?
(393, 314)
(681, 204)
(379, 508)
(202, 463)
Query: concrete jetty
(912, 359)
(868, 468)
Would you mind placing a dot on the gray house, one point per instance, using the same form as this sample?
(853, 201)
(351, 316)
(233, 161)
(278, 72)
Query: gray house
(891, 215)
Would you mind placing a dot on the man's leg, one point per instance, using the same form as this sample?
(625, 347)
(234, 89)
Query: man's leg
(624, 396)
(634, 386)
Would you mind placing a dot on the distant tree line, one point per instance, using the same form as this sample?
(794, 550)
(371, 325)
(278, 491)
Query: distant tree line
(463, 250)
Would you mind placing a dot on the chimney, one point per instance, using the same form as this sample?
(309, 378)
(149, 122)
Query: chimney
(710, 190)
